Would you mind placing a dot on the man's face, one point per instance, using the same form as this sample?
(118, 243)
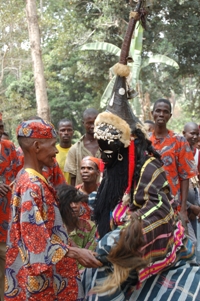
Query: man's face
(65, 132)
(88, 123)
(89, 171)
(191, 134)
(109, 152)
(1, 128)
(161, 113)
(46, 152)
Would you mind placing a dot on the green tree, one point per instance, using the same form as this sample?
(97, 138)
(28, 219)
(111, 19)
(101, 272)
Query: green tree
(77, 79)
(172, 30)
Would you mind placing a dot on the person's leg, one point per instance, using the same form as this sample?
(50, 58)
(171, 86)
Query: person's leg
(194, 226)
(2, 268)
(198, 243)
(191, 234)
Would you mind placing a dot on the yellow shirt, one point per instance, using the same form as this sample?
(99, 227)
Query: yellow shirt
(61, 158)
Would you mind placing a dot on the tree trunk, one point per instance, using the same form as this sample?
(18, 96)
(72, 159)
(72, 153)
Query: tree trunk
(36, 53)
(147, 107)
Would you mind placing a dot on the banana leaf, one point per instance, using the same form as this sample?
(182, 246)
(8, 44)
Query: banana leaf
(103, 46)
(107, 93)
(161, 59)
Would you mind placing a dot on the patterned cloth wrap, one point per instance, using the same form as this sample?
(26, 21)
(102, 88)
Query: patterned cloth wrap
(119, 215)
(165, 240)
(9, 167)
(37, 128)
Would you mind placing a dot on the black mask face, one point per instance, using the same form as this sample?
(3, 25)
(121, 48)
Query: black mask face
(109, 151)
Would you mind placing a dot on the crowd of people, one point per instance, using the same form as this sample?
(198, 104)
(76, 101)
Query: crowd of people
(77, 227)
(112, 217)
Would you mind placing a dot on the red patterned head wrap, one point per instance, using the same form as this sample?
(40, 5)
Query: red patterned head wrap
(93, 159)
(36, 128)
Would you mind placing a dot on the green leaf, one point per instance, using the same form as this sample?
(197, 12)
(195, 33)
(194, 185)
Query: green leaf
(136, 67)
(107, 93)
(103, 46)
(135, 51)
(161, 59)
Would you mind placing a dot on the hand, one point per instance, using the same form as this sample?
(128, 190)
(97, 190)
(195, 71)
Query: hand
(198, 217)
(184, 216)
(4, 189)
(195, 209)
(85, 257)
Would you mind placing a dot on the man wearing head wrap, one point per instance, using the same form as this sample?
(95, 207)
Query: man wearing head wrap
(90, 171)
(53, 173)
(40, 265)
(9, 167)
(89, 174)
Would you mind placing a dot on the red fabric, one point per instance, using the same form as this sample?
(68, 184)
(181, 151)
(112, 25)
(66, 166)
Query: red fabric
(36, 266)
(131, 166)
(54, 174)
(177, 158)
(9, 167)
(198, 163)
(93, 159)
(20, 155)
(85, 209)
(37, 128)
(101, 166)
(86, 212)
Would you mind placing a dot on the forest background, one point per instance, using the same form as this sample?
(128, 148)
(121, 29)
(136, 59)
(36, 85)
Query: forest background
(77, 79)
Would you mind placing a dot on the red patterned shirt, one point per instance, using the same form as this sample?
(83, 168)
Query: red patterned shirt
(9, 167)
(36, 265)
(177, 158)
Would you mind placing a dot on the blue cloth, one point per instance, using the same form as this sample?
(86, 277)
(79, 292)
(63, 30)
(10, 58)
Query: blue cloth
(179, 283)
